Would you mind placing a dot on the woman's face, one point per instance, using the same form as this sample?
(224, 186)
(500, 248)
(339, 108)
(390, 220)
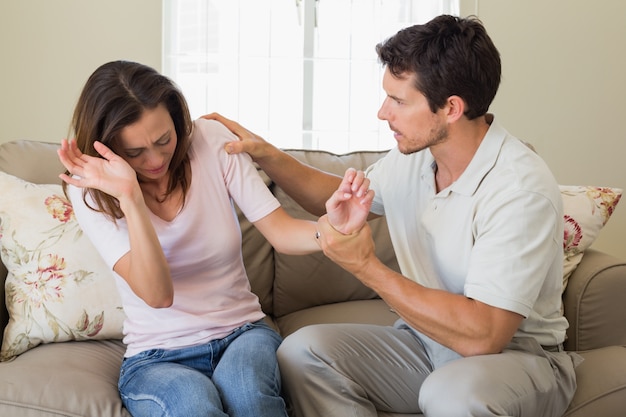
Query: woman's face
(148, 145)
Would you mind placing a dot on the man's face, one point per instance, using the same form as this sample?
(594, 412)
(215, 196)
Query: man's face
(414, 125)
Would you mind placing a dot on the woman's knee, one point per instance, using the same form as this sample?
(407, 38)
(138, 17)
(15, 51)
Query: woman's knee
(170, 390)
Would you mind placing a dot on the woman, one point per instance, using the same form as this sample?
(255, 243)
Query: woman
(154, 192)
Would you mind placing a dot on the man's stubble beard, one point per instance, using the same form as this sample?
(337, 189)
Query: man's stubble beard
(434, 138)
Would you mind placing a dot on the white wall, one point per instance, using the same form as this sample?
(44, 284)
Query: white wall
(563, 87)
(49, 48)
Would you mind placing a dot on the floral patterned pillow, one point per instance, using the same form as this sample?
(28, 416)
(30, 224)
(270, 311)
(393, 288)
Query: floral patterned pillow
(57, 288)
(586, 211)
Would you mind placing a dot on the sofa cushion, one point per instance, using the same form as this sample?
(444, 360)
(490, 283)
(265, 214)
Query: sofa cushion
(32, 161)
(374, 311)
(586, 210)
(258, 258)
(63, 379)
(300, 281)
(12, 157)
(57, 286)
(601, 380)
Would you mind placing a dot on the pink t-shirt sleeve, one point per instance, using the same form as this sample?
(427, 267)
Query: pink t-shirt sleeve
(110, 238)
(243, 182)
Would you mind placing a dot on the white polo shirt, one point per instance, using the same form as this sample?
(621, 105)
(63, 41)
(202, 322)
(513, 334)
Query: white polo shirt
(494, 235)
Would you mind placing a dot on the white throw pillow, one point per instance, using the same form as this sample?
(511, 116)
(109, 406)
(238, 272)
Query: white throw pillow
(586, 210)
(58, 288)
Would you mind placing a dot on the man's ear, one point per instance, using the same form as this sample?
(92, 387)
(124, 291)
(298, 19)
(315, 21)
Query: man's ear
(455, 107)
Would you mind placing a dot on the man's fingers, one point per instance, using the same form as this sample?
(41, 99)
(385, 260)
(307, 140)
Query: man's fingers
(236, 147)
(231, 125)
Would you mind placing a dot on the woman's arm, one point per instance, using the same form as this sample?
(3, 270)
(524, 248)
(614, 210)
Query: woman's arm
(348, 209)
(144, 267)
(288, 235)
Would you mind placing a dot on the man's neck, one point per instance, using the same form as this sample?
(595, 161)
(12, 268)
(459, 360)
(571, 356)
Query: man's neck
(454, 154)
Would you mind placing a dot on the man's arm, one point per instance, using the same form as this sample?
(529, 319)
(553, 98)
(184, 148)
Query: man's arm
(308, 186)
(467, 326)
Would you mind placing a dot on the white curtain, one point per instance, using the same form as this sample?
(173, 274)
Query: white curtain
(302, 73)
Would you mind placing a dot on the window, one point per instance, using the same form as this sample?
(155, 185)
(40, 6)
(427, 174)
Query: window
(301, 73)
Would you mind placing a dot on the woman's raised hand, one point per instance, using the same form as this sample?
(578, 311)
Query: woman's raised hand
(110, 174)
(350, 205)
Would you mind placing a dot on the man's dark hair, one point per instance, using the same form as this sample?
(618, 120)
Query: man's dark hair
(450, 56)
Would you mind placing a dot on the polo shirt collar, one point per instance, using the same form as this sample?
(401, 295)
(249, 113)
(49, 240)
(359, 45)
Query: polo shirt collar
(483, 161)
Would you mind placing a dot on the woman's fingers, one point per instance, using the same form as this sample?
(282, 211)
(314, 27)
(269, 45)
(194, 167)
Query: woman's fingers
(104, 150)
(355, 183)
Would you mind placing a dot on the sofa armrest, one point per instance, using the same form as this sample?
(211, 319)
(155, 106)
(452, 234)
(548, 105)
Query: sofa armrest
(594, 302)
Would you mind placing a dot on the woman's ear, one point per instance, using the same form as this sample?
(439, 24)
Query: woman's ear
(455, 108)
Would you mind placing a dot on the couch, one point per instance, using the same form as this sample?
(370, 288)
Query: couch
(77, 376)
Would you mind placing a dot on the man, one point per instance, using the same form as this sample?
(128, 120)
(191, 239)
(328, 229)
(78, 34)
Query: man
(475, 218)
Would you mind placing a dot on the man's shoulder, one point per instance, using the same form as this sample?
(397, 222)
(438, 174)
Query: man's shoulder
(519, 167)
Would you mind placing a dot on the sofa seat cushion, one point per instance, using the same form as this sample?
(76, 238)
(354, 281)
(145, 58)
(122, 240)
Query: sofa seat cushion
(374, 311)
(64, 379)
(601, 379)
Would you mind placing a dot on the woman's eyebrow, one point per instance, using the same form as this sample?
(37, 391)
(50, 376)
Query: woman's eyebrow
(163, 136)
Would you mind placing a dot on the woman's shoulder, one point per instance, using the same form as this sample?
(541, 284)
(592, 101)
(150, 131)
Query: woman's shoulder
(212, 132)
(208, 139)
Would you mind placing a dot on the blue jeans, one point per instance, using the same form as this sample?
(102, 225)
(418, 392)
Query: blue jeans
(236, 376)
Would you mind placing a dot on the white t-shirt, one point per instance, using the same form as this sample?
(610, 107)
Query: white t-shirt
(494, 235)
(212, 294)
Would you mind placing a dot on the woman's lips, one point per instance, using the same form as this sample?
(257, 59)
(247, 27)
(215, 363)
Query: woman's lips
(156, 170)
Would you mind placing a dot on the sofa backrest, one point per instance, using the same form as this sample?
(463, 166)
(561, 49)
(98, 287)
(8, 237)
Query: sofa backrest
(287, 283)
(311, 280)
(283, 283)
(32, 161)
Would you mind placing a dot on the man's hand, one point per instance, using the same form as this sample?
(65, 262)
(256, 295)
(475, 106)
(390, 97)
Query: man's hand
(349, 206)
(352, 252)
(249, 142)
(343, 233)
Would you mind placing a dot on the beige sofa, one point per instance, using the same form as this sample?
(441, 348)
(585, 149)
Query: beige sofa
(78, 378)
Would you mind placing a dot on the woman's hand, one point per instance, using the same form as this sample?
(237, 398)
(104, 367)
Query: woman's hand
(350, 205)
(110, 174)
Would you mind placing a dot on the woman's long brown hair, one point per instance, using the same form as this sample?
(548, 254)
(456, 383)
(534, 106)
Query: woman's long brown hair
(115, 96)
